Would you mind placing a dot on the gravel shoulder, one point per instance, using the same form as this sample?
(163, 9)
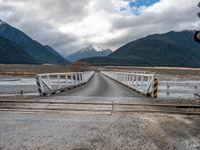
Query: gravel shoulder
(101, 132)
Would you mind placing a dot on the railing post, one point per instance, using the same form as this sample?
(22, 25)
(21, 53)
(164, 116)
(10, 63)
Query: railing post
(125, 78)
(66, 80)
(76, 78)
(148, 80)
(80, 77)
(142, 81)
(48, 80)
(40, 86)
(72, 79)
(149, 86)
(59, 83)
(155, 88)
(83, 77)
(128, 79)
(133, 80)
(136, 84)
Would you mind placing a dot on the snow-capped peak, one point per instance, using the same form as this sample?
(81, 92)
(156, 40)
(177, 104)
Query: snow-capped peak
(90, 51)
(98, 48)
(93, 48)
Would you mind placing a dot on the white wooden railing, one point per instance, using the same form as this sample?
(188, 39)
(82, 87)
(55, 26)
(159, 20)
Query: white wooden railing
(140, 82)
(52, 83)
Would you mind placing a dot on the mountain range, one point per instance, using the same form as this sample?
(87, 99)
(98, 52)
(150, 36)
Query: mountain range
(169, 49)
(177, 49)
(88, 52)
(40, 53)
(11, 53)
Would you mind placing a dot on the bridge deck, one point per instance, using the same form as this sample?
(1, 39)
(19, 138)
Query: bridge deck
(103, 86)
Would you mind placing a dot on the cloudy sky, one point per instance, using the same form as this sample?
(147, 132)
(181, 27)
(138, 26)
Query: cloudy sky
(68, 25)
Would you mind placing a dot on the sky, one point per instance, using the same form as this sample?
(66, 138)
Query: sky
(69, 25)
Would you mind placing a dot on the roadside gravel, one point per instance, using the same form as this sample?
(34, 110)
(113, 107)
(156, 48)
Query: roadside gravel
(99, 132)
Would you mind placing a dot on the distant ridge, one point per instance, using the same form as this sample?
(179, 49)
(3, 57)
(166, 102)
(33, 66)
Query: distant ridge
(11, 53)
(170, 49)
(43, 54)
(90, 51)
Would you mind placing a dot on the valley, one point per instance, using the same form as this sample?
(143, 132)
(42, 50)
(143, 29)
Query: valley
(99, 75)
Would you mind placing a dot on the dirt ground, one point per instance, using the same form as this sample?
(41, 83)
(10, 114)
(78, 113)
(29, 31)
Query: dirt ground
(32, 70)
(99, 132)
(174, 72)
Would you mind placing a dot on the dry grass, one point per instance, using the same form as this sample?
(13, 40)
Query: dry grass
(178, 72)
(32, 70)
(80, 67)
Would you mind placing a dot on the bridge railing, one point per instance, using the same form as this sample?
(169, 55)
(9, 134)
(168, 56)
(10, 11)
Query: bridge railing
(53, 83)
(140, 82)
(188, 89)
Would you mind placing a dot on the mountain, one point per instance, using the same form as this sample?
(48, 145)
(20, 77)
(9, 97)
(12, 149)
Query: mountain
(169, 49)
(90, 51)
(35, 49)
(11, 53)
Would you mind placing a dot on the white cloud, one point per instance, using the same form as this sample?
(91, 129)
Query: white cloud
(69, 25)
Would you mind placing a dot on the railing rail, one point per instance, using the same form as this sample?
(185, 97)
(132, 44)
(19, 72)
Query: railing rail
(179, 87)
(140, 82)
(57, 82)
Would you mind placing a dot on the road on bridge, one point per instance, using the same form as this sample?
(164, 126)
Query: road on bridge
(100, 85)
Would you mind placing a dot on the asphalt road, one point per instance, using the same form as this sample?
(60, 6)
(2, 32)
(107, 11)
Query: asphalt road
(101, 85)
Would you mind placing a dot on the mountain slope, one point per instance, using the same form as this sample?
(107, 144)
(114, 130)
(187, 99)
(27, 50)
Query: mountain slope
(11, 53)
(90, 51)
(169, 49)
(34, 48)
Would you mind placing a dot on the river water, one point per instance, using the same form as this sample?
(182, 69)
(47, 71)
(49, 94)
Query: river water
(13, 86)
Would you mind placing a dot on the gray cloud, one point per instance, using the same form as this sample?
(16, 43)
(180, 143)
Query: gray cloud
(69, 25)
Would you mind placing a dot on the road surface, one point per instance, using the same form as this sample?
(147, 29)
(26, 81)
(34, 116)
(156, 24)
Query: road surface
(100, 89)
(101, 85)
